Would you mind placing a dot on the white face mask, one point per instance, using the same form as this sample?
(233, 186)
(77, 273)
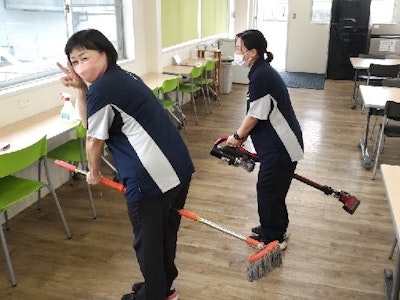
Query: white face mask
(239, 59)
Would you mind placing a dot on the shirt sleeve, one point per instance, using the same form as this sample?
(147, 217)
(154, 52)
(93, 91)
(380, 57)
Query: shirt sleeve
(100, 122)
(260, 108)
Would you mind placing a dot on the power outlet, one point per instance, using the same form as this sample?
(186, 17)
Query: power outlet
(24, 102)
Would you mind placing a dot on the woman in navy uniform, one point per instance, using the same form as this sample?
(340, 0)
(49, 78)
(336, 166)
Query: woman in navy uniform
(271, 123)
(152, 160)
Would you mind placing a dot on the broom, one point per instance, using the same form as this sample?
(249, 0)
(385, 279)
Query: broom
(260, 264)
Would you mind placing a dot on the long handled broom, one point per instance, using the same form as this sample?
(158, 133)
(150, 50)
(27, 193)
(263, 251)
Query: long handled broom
(261, 263)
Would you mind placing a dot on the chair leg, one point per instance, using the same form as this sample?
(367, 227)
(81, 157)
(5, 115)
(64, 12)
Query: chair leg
(8, 258)
(91, 201)
(194, 106)
(216, 96)
(56, 201)
(208, 97)
(378, 150)
(393, 248)
(90, 194)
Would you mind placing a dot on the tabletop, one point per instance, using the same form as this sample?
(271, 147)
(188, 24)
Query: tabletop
(186, 67)
(376, 96)
(177, 70)
(362, 63)
(155, 80)
(391, 177)
(27, 131)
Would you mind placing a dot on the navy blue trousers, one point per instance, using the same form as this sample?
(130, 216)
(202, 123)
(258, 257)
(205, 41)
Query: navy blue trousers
(272, 187)
(155, 222)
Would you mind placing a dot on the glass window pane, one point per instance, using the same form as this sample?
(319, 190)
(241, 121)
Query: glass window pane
(33, 34)
(98, 14)
(382, 11)
(27, 44)
(321, 11)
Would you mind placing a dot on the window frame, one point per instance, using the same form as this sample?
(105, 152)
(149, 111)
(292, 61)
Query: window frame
(45, 73)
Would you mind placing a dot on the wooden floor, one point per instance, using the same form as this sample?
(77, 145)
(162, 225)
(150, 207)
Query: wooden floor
(330, 255)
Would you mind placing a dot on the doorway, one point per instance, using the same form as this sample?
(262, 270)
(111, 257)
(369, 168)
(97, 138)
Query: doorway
(271, 18)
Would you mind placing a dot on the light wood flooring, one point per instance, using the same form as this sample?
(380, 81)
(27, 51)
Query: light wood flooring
(330, 255)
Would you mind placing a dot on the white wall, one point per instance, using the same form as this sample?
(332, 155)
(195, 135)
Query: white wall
(307, 43)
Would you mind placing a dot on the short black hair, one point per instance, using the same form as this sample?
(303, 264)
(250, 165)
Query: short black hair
(92, 39)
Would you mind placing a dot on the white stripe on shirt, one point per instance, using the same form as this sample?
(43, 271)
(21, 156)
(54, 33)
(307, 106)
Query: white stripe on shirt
(150, 155)
(261, 109)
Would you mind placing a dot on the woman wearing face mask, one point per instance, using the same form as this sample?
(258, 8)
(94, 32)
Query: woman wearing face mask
(152, 160)
(271, 123)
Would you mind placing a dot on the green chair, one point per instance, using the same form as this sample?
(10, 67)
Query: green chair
(173, 107)
(191, 87)
(207, 80)
(74, 151)
(156, 92)
(14, 189)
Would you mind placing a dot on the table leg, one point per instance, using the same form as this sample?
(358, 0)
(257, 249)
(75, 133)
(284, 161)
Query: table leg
(354, 96)
(392, 288)
(363, 143)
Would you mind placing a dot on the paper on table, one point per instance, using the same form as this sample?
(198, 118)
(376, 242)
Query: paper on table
(4, 146)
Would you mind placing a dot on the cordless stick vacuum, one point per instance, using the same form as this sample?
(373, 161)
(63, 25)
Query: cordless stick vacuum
(240, 157)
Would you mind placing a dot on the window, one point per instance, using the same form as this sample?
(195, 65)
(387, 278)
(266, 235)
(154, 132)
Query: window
(33, 34)
(381, 11)
(189, 20)
(321, 11)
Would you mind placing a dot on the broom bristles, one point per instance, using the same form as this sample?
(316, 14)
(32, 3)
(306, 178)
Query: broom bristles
(264, 262)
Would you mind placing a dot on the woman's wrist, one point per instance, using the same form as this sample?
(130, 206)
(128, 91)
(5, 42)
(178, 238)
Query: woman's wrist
(238, 137)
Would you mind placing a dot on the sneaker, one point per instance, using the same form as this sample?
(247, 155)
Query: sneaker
(282, 242)
(257, 230)
(136, 286)
(173, 294)
(130, 296)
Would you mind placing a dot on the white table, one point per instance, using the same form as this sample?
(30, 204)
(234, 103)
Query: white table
(391, 179)
(155, 80)
(361, 63)
(23, 133)
(374, 98)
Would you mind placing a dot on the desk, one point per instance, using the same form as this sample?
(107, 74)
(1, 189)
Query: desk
(374, 98)
(23, 133)
(184, 70)
(391, 176)
(361, 63)
(155, 80)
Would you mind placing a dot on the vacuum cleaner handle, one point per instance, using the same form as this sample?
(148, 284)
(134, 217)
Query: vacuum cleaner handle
(115, 185)
(230, 154)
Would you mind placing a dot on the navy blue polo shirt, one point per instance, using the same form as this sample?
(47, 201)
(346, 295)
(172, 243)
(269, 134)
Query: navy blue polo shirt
(150, 155)
(277, 137)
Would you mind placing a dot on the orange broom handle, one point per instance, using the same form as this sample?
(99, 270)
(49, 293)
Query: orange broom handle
(188, 215)
(103, 180)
